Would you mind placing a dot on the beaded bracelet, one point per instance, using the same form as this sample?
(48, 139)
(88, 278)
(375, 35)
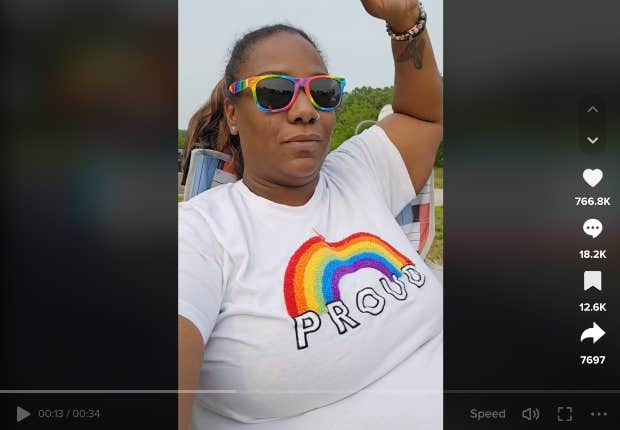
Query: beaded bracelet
(413, 32)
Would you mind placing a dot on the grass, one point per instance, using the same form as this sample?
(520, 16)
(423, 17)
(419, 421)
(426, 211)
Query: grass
(179, 197)
(438, 172)
(435, 254)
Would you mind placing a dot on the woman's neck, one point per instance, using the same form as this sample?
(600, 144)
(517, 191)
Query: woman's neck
(281, 194)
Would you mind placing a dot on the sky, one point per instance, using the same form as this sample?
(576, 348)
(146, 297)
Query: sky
(354, 43)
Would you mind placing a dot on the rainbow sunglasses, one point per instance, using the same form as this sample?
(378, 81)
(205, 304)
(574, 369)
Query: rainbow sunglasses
(277, 93)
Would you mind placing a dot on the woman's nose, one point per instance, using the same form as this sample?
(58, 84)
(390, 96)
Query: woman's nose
(302, 110)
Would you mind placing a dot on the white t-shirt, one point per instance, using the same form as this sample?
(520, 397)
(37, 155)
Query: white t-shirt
(314, 314)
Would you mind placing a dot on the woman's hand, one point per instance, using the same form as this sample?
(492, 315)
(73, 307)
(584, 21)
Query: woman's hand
(400, 14)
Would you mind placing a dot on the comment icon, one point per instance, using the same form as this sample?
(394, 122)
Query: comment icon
(592, 227)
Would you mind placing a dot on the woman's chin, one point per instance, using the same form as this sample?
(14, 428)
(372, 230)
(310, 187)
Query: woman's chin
(303, 167)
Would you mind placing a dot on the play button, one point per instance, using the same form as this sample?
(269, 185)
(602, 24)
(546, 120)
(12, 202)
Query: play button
(22, 414)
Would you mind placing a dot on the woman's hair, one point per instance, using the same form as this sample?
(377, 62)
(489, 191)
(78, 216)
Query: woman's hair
(208, 128)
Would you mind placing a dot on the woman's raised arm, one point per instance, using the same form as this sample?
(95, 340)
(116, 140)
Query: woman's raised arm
(417, 123)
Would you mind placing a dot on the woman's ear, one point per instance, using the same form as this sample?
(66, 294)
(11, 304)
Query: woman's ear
(231, 117)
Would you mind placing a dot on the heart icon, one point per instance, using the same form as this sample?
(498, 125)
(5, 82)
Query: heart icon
(593, 176)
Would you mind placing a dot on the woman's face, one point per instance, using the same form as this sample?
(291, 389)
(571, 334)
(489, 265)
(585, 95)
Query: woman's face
(268, 152)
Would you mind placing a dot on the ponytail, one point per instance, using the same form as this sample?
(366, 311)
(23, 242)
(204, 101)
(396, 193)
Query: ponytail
(208, 129)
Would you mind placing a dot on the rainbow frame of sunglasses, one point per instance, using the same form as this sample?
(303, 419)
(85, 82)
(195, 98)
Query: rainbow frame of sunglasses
(251, 82)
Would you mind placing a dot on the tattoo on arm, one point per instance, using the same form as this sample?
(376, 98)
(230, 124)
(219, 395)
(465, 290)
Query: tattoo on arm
(413, 51)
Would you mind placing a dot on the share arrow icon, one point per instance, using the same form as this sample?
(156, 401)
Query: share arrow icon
(594, 333)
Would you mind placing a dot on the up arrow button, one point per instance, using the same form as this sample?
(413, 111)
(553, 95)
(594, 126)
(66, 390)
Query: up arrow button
(592, 133)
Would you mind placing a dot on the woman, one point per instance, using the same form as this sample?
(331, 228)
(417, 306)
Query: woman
(301, 301)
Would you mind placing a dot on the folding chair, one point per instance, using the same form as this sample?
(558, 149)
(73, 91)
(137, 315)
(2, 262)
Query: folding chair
(207, 169)
(417, 219)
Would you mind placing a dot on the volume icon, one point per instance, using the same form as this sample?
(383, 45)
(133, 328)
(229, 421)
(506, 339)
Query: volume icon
(530, 414)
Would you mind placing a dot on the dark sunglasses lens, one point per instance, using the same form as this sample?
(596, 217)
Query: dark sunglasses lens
(274, 93)
(325, 92)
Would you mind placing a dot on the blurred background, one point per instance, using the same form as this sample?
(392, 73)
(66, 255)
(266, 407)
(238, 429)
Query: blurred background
(89, 108)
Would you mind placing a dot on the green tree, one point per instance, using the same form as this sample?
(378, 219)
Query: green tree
(439, 157)
(181, 139)
(363, 103)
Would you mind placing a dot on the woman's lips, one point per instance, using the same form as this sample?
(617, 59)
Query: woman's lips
(303, 145)
(303, 138)
(302, 141)
(308, 144)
